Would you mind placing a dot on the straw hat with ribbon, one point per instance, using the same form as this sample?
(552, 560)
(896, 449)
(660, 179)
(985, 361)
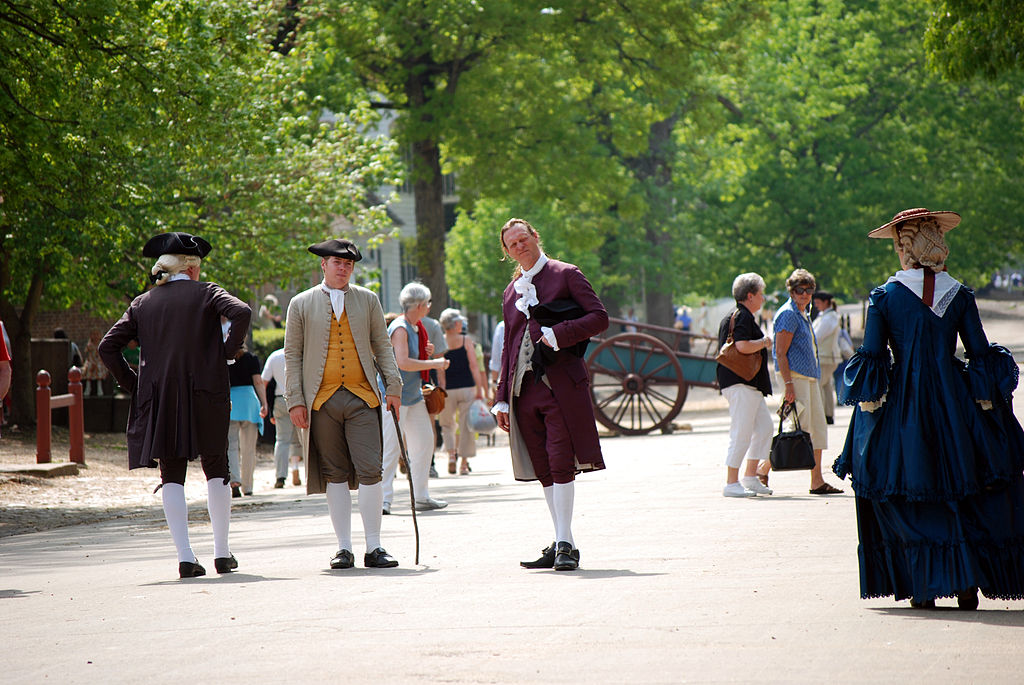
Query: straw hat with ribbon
(947, 221)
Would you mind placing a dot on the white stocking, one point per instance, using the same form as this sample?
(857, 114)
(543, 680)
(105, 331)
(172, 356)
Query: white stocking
(218, 503)
(371, 499)
(564, 494)
(549, 497)
(176, 513)
(339, 506)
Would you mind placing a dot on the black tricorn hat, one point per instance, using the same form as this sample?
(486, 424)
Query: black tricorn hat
(176, 243)
(555, 312)
(337, 247)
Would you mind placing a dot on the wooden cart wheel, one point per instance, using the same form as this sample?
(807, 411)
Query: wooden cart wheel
(636, 384)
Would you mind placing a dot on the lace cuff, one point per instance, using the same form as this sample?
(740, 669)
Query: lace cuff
(992, 375)
(866, 378)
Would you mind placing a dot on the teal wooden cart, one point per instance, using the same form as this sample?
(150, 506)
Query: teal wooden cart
(639, 380)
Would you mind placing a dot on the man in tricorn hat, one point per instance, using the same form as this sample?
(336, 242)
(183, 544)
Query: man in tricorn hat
(181, 406)
(335, 335)
(543, 395)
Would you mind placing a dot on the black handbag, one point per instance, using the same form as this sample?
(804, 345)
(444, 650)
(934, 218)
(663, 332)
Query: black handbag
(792, 451)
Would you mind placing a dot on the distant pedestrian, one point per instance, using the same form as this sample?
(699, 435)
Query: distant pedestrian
(248, 409)
(796, 361)
(414, 354)
(826, 332)
(180, 406)
(464, 383)
(287, 442)
(750, 425)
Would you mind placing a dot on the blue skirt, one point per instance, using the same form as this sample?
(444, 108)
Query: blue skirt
(245, 405)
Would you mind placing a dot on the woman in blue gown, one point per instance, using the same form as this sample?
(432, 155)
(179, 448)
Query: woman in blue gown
(934, 452)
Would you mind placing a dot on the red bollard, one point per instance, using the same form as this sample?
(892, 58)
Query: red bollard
(76, 416)
(43, 417)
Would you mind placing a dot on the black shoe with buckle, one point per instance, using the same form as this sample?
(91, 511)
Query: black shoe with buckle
(566, 558)
(968, 599)
(547, 559)
(225, 564)
(378, 558)
(343, 559)
(190, 569)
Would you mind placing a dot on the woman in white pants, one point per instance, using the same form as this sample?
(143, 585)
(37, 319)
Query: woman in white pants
(412, 353)
(750, 428)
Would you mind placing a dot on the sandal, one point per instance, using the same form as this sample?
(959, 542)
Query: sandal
(464, 470)
(763, 477)
(825, 489)
(452, 462)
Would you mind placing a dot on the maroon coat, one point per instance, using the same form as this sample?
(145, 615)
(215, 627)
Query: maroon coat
(568, 375)
(181, 396)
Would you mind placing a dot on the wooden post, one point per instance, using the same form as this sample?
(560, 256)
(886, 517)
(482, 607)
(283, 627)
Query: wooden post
(76, 416)
(43, 417)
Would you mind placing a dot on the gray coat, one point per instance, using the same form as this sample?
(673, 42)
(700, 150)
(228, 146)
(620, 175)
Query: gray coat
(306, 337)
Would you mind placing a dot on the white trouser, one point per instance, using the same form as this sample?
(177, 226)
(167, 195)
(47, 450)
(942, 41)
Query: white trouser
(392, 453)
(418, 431)
(750, 425)
(828, 388)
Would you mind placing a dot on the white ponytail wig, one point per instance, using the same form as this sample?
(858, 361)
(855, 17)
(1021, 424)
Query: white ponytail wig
(171, 264)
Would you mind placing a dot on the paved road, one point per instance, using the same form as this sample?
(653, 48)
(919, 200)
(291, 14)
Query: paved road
(677, 584)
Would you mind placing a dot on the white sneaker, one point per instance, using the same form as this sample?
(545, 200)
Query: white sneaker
(430, 503)
(737, 490)
(753, 484)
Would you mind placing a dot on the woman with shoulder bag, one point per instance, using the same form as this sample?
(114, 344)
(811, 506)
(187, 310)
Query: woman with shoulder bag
(412, 354)
(750, 426)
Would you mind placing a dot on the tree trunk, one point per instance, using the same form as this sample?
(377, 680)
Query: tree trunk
(427, 189)
(654, 168)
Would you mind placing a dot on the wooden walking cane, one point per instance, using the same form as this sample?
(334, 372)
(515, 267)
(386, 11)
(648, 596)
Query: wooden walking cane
(408, 473)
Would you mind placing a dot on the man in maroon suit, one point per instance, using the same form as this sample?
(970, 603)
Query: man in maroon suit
(543, 395)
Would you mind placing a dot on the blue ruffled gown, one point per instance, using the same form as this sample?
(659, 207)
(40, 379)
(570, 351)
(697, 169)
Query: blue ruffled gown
(938, 480)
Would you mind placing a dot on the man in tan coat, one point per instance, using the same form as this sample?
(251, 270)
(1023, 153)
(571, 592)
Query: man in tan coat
(335, 336)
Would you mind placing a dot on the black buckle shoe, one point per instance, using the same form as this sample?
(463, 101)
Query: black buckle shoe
(547, 559)
(343, 559)
(378, 558)
(225, 564)
(566, 558)
(968, 599)
(190, 569)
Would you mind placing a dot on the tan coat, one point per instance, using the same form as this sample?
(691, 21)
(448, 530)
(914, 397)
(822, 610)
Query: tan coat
(306, 337)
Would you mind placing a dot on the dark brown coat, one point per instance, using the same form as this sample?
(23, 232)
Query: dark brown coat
(181, 402)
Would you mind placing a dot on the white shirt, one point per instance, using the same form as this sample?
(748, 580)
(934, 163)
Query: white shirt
(497, 345)
(274, 368)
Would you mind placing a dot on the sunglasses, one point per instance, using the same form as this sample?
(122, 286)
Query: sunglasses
(802, 290)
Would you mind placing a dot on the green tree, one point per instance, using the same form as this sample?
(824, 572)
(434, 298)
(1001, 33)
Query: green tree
(121, 120)
(833, 127)
(579, 127)
(967, 38)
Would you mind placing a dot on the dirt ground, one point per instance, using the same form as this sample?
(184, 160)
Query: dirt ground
(105, 488)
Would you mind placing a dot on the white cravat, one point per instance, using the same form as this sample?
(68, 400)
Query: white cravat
(337, 299)
(525, 287)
